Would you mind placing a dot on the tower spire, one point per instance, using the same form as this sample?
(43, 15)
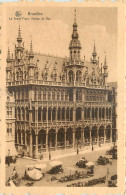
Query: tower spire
(31, 54)
(105, 67)
(75, 15)
(94, 54)
(19, 32)
(31, 48)
(8, 54)
(19, 38)
(75, 45)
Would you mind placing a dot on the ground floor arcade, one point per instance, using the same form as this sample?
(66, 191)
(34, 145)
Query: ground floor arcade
(63, 138)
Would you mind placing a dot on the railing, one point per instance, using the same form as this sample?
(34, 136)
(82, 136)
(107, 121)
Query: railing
(55, 83)
(84, 122)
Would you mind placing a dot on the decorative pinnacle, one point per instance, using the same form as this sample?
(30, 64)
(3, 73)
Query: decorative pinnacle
(19, 32)
(55, 65)
(94, 47)
(8, 55)
(31, 49)
(105, 59)
(101, 67)
(75, 15)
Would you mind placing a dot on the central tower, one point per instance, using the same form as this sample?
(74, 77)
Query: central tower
(75, 45)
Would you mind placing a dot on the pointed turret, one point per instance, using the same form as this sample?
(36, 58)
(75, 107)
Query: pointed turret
(75, 45)
(8, 60)
(54, 73)
(19, 48)
(94, 55)
(19, 39)
(31, 54)
(105, 67)
(8, 54)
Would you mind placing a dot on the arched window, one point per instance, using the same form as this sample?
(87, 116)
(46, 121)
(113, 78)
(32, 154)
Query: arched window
(21, 76)
(71, 76)
(58, 96)
(78, 95)
(78, 114)
(53, 95)
(44, 94)
(78, 75)
(49, 95)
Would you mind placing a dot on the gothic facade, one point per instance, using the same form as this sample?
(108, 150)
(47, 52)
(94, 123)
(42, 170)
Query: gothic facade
(60, 102)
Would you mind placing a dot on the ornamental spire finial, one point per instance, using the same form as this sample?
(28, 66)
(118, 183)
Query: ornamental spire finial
(75, 15)
(31, 49)
(94, 47)
(19, 32)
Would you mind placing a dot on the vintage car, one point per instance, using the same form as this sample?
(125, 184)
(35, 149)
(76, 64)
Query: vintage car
(102, 160)
(10, 159)
(82, 163)
(112, 150)
(113, 181)
(90, 168)
(56, 167)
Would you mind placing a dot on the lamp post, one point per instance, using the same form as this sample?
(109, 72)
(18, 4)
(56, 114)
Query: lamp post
(77, 147)
(8, 157)
(92, 144)
(49, 151)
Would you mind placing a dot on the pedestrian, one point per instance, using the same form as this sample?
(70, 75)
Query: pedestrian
(92, 147)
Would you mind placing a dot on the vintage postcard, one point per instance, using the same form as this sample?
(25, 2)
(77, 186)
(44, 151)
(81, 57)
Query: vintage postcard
(64, 98)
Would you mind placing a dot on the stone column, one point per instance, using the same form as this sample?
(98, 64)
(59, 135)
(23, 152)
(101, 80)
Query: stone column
(74, 118)
(74, 95)
(42, 115)
(46, 142)
(36, 146)
(25, 138)
(82, 114)
(21, 138)
(90, 136)
(51, 115)
(47, 115)
(105, 114)
(97, 135)
(17, 137)
(73, 138)
(111, 135)
(56, 141)
(60, 114)
(90, 113)
(82, 137)
(65, 115)
(98, 114)
(31, 147)
(69, 114)
(104, 134)
(56, 116)
(65, 138)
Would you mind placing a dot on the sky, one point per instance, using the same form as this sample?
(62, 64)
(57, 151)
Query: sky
(52, 36)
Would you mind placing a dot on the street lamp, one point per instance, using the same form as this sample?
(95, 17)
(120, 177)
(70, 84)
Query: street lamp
(49, 151)
(77, 147)
(92, 144)
(8, 157)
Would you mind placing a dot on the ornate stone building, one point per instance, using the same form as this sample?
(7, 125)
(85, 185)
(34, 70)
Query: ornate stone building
(60, 102)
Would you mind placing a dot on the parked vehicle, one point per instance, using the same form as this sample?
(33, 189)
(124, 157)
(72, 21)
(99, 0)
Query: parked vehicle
(82, 163)
(113, 181)
(102, 160)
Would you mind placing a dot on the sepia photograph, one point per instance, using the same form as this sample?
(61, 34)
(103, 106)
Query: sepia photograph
(61, 96)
